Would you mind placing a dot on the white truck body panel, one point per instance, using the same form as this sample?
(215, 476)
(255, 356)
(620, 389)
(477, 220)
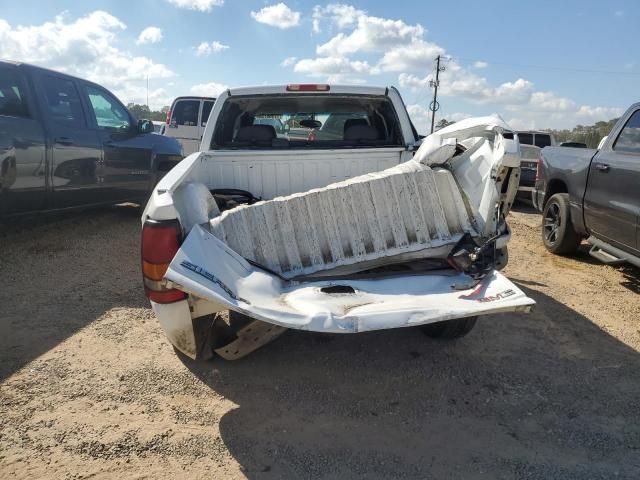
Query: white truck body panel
(270, 174)
(208, 269)
(406, 211)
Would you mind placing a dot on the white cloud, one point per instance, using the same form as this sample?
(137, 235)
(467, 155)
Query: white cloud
(149, 35)
(86, 47)
(512, 92)
(207, 48)
(339, 14)
(528, 118)
(457, 81)
(588, 114)
(401, 44)
(550, 102)
(287, 62)
(331, 66)
(416, 55)
(199, 5)
(345, 79)
(421, 117)
(361, 45)
(278, 15)
(211, 89)
(372, 34)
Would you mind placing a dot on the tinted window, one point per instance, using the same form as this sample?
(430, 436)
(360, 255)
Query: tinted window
(276, 123)
(508, 135)
(529, 152)
(63, 101)
(12, 93)
(543, 140)
(186, 113)
(307, 121)
(525, 138)
(206, 110)
(335, 122)
(629, 139)
(107, 110)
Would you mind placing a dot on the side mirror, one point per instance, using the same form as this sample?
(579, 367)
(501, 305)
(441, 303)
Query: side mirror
(145, 126)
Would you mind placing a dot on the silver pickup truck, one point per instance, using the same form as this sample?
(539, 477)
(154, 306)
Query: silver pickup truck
(358, 225)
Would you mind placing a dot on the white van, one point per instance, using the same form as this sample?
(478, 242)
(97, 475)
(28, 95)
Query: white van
(186, 120)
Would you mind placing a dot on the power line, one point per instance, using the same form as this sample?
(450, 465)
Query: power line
(552, 67)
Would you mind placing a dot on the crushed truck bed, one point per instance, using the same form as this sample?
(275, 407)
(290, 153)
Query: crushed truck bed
(331, 259)
(404, 212)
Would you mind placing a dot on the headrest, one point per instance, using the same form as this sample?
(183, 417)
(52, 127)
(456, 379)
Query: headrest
(350, 122)
(361, 132)
(256, 133)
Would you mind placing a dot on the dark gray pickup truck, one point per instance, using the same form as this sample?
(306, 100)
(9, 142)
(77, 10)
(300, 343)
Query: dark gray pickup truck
(594, 194)
(66, 142)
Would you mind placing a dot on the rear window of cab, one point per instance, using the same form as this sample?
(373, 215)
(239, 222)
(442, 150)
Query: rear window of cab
(306, 122)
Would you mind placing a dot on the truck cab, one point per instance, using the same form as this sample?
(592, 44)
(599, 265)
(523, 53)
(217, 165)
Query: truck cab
(187, 119)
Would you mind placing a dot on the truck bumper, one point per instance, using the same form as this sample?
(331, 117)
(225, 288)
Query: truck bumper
(209, 271)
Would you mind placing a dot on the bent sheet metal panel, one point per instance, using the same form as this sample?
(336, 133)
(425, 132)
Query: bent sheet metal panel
(407, 208)
(271, 173)
(209, 269)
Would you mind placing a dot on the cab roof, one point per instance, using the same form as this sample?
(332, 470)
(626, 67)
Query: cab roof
(332, 90)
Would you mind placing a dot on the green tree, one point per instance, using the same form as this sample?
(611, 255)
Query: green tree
(443, 123)
(139, 111)
(144, 112)
(587, 134)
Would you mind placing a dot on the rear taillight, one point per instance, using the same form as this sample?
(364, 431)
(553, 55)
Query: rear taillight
(168, 117)
(160, 243)
(311, 137)
(539, 168)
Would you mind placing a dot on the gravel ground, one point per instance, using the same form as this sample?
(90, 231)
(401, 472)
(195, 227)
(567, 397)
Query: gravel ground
(90, 387)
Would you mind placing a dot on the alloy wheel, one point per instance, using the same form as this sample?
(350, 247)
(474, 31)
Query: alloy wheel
(552, 223)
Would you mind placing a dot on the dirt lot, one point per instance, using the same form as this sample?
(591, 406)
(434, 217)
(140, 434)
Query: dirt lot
(90, 388)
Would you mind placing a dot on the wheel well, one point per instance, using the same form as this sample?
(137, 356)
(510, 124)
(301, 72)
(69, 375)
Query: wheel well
(555, 186)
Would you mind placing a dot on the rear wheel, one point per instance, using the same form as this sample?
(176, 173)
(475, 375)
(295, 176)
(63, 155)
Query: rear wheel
(558, 234)
(450, 329)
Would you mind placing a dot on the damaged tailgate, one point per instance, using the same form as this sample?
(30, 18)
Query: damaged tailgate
(207, 268)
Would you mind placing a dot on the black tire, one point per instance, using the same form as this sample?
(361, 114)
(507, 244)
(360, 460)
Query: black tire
(558, 234)
(449, 329)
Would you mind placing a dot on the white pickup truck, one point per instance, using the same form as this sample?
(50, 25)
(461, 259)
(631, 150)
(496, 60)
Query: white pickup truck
(318, 207)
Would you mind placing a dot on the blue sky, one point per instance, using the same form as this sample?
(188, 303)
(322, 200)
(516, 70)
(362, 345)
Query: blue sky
(538, 64)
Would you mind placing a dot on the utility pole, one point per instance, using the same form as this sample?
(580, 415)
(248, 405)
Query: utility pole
(434, 106)
(147, 90)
